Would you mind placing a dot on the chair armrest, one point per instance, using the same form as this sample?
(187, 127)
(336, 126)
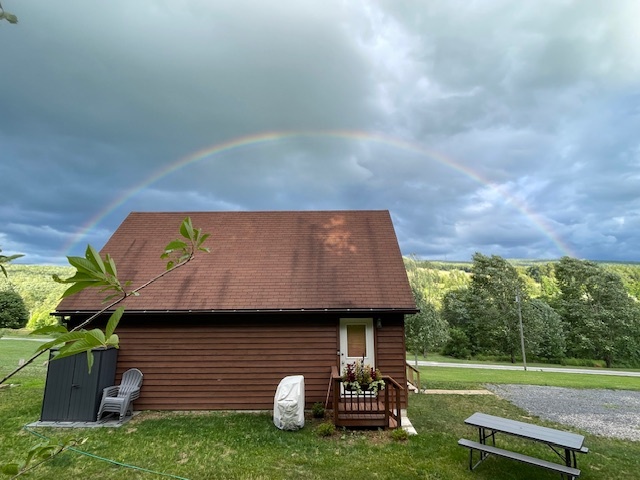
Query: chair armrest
(110, 391)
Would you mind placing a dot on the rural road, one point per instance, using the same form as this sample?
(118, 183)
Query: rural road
(530, 369)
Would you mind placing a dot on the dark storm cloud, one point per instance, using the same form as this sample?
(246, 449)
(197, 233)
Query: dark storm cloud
(513, 125)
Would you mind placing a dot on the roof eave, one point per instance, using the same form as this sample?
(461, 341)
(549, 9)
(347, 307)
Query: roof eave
(403, 310)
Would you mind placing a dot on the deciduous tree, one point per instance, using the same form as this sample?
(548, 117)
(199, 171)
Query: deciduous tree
(601, 319)
(494, 286)
(425, 331)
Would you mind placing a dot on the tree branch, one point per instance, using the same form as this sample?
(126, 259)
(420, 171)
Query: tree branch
(97, 314)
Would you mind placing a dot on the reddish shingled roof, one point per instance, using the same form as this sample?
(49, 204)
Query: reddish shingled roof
(334, 260)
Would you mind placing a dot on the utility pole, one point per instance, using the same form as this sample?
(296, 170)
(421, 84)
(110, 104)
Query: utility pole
(524, 356)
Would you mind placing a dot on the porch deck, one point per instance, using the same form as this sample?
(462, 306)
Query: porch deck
(380, 410)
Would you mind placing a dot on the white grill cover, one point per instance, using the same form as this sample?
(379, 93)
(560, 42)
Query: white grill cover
(288, 403)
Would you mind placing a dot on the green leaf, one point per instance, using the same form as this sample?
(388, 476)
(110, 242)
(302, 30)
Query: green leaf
(86, 344)
(58, 279)
(114, 341)
(77, 287)
(98, 335)
(33, 451)
(175, 245)
(49, 329)
(202, 238)
(111, 266)
(10, 258)
(84, 265)
(67, 337)
(94, 257)
(83, 276)
(11, 18)
(48, 451)
(114, 319)
(186, 229)
(90, 360)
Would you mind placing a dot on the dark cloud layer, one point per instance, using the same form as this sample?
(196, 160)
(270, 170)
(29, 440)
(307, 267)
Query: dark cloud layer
(503, 127)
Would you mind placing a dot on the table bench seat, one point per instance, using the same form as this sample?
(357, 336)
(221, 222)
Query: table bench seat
(563, 469)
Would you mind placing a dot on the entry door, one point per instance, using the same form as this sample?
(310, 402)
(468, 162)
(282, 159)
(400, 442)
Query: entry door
(356, 341)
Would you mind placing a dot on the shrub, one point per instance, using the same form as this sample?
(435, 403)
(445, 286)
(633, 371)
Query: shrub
(458, 345)
(13, 313)
(318, 410)
(583, 362)
(326, 429)
(399, 435)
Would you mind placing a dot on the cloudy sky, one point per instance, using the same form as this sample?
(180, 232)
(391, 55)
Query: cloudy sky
(501, 127)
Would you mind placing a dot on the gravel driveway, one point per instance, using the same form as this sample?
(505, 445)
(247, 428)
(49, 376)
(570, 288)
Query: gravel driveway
(609, 413)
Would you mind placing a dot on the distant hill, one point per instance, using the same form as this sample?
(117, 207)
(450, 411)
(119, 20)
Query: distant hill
(36, 287)
(41, 294)
(629, 272)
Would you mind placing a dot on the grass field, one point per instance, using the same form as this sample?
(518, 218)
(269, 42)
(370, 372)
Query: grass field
(219, 445)
(443, 378)
(435, 357)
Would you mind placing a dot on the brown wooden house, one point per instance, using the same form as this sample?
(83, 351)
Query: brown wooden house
(281, 293)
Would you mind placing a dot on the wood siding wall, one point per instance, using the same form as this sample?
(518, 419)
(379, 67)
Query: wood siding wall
(390, 351)
(236, 363)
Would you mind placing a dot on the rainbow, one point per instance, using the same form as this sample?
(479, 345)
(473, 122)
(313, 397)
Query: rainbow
(262, 138)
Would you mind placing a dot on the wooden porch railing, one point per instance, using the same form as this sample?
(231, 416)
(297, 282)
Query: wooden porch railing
(413, 376)
(381, 410)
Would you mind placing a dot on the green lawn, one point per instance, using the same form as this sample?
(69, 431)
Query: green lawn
(443, 378)
(217, 445)
(436, 357)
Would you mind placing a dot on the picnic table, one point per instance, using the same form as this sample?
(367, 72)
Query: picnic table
(564, 444)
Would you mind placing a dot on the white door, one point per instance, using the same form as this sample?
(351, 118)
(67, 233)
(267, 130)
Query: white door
(356, 341)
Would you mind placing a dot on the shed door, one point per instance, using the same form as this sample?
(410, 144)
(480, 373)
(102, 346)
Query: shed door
(356, 341)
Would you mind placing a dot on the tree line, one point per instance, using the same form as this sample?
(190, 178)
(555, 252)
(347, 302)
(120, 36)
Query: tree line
(28, 295)
(570, 309)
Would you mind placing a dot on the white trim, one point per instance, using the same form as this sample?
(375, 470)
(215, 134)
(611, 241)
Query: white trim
(370, 357)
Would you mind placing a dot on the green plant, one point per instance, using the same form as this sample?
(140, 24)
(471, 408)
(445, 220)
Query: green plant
(326, 429)
(583, 362)
(38, 454)
(399, 435)
(359, 377)
(92, 271)
(248, 446)
(318, 410)
(13, 313)
(458, 345)
(9, 17)
(4, 259)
